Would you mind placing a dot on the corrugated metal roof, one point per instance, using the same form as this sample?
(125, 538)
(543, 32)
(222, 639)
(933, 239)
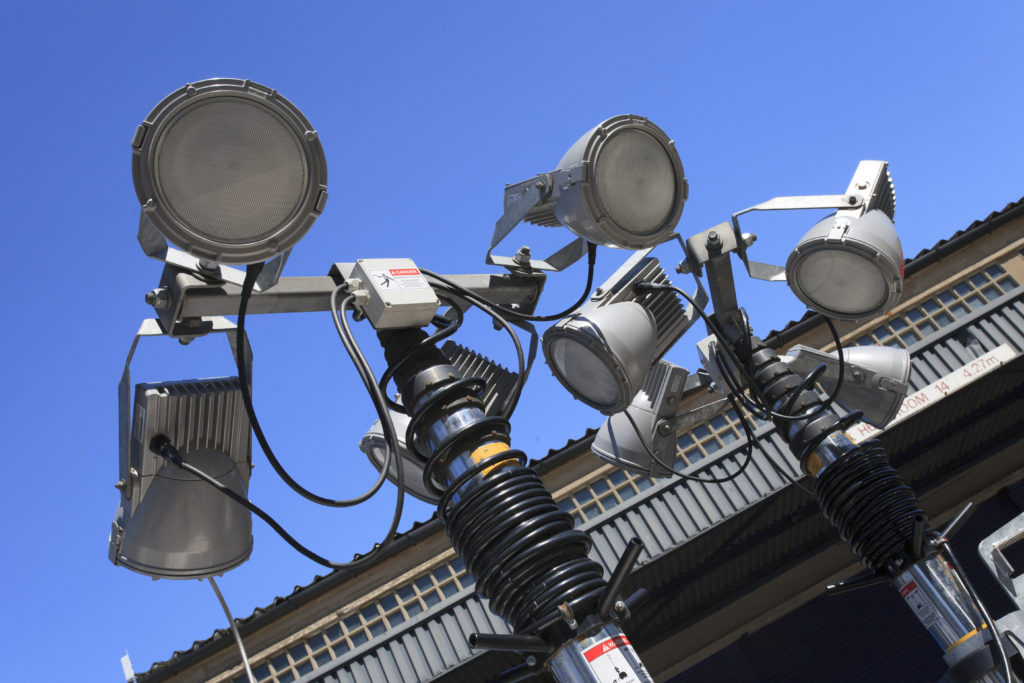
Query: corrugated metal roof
(688, 508)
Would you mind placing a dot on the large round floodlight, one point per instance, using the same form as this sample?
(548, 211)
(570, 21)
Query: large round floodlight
(229, 171)
(848, 270)
(603, 355)
(633, 190)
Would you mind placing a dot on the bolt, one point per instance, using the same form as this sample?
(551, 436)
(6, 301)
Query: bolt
(714, 241)
(683, 268)
(522, 256)
(749, 238)
(159, 298)
(664, 428)
(862, 185)
(599, 291)
(619, 606)
(121, 485)
(851, 200)
(208, 266)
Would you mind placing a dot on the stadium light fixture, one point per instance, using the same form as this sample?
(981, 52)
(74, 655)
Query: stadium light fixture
(875, 382)
(169, 523)
(619, 185)
(229, 171)
(603, 351)
(374, 445)
(850, 265)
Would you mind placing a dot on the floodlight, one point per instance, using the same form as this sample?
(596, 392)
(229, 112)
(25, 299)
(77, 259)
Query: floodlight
(375, 447)
(848, 269)
(620, 185)
(640, 436)
(875, 381)
(229, 171)
(169, 523)
(850, 265)
(602, 356)
(602, 352)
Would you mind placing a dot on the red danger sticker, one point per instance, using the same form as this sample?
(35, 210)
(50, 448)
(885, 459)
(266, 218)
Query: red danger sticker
(398, 272)
(908, 589)
(605, 646)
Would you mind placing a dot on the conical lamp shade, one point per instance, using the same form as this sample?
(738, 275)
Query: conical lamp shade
(875, 383)
(184, 528)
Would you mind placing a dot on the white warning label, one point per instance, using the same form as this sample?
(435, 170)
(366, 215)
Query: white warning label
(613, 659)
(920, 603)
(399, 278)
(928, 395)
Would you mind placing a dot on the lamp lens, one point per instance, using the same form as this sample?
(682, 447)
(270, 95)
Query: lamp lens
(842, 281)
(231, 170)
(636, 182)
(583, 370)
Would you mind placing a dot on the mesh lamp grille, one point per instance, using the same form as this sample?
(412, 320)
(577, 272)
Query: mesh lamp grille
(229, 171)
(635, 189)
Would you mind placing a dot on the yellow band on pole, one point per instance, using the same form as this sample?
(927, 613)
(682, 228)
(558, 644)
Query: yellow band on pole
(973, 633)
(486, 451)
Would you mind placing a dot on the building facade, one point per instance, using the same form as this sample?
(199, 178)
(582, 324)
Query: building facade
(736, 571)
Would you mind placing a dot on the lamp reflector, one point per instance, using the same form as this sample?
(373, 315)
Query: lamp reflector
(186, 529)
(602, 355)
(631, 190)
(375, 446)
(848, 268)
(640, 436)
(169, 523)
(229, 171)
(876, 380)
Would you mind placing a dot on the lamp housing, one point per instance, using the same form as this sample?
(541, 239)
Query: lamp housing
(621, 184)
(169, 523)
(229, 171)
(849, 269)
(642, 438)
(375, 446)
(875, 382)
(602, 352)
(850, 265)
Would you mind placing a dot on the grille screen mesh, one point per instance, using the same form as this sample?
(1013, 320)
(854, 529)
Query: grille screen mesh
(231, 170)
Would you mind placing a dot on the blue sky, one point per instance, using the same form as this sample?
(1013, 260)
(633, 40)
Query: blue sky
(425, 111)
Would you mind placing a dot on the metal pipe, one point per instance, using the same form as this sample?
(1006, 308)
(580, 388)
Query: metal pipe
(619, 575)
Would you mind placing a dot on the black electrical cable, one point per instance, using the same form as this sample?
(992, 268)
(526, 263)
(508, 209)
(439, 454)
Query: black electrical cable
(764, 410)
(994, 630)
(513, 398)
(162, 446)
(251, 273)
(472, 296)
(689, 477)
(751, 440)
(443, 332)
(379, 403)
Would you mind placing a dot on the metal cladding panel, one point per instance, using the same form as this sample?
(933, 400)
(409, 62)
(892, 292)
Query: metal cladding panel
(760, 503)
